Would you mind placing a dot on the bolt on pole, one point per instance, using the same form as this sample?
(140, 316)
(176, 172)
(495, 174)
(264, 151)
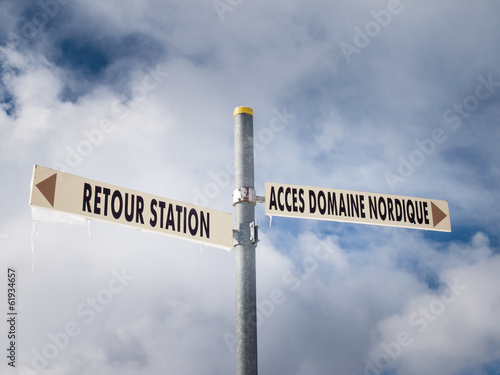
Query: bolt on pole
(244, 199)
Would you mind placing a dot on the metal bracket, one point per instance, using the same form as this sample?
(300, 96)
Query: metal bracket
(244, 195)
(253, 228)
(254, 233)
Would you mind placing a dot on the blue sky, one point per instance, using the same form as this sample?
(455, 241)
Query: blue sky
(397, 97)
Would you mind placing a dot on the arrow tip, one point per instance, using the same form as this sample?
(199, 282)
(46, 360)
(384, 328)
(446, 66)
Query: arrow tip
(48, 188)
(437, 214)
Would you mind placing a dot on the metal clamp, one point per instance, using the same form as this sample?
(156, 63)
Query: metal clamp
(254, 232)
(245, 194)
(244, 230)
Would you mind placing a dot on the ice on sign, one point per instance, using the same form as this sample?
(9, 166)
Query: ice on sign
(96, 200)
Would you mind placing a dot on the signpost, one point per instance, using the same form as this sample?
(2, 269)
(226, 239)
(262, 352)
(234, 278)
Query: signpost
(244, 199)
(75, 195)
(356, 207)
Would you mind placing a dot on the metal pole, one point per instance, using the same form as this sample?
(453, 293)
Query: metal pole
(244, 198)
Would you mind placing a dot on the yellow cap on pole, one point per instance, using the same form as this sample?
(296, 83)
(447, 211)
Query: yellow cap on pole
(242, 110)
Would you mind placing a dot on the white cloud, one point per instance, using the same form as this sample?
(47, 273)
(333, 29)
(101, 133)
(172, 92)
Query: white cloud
(330, 294)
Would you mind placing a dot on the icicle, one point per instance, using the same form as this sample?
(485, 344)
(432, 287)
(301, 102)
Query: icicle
(270, 220)
(34, 236)
(88, 228)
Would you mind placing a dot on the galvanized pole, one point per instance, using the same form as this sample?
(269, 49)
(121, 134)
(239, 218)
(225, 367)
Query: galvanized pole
(244, 199)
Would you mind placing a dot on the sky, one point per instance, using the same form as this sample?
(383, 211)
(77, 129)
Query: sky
(394, 97)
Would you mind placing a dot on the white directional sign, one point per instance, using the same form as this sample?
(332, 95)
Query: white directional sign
(356, 207)
(64, 192)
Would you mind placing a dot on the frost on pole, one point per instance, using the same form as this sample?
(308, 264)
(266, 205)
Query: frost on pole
(70, 196)
(356, 207)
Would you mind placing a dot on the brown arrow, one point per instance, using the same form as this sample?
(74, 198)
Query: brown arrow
(437, 214)
(48, 188)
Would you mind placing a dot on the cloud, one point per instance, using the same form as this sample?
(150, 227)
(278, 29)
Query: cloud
(141, 95)
(429, 321)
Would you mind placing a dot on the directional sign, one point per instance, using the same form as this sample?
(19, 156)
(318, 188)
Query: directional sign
(356, 207)
(64, 192)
